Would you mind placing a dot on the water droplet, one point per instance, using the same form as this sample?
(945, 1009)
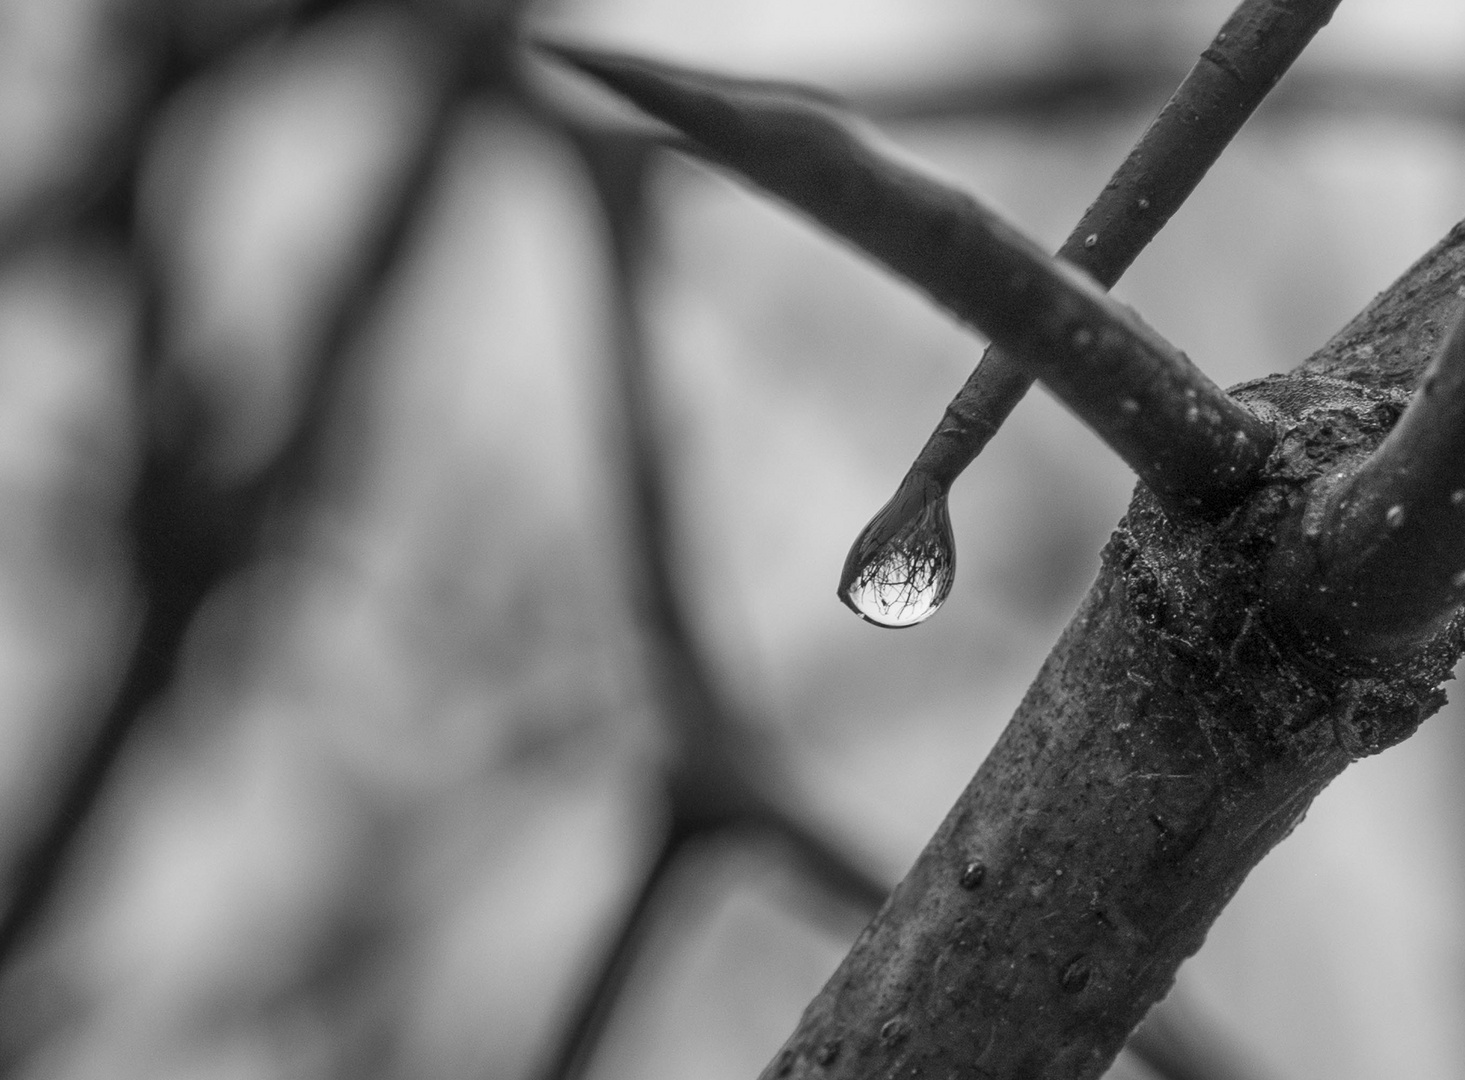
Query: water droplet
(1394, 517)
(899, 570)
(894, 1030)
(1129, 405)
(1459, 579)
(827, 1052)
(973, 874)
(1091, 240)
(1076, 974)
(1143, 203)
(1220, 37)
(1457, 497)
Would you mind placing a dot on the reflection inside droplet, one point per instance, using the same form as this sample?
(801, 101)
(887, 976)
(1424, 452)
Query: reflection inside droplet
(900, 569)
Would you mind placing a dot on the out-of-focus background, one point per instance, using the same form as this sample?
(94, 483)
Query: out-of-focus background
(333, 627)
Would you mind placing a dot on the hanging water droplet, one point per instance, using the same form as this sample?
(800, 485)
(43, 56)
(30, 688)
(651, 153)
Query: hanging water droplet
(900, 568)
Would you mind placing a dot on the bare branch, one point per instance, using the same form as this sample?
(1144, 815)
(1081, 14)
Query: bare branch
(1375, 563)
(1190, 443)
(1249, 54)
(1064, 88)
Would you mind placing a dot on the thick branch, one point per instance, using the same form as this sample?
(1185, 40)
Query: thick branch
(1169, 741)
(1249, 54)
(1376, 561)
(1190, 443)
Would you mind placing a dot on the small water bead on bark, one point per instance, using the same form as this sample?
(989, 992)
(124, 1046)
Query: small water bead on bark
(900, 569)
(973, 874)
(894, 1031)
(1076, 975)
(1091, 240)
(1394, 517)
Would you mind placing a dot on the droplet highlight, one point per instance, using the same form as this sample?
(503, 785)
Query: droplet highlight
(1394, 517)
(973, 874)
(899, 570)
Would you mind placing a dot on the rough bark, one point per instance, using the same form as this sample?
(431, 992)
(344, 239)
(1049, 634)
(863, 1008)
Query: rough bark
(1179, 729)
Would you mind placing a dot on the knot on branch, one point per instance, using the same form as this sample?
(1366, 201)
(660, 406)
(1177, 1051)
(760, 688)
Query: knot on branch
(1215, 597)
(1373, 715)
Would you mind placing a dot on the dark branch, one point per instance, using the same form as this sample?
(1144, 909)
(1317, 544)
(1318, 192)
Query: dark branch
(1190, 443)
(1249, 54)
(1375, 563)
(1064, 88)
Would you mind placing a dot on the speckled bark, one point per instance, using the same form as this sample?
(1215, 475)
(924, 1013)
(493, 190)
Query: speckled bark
(1179, 729)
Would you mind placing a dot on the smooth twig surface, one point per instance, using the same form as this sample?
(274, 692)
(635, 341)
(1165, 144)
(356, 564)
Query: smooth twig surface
(1249, 54)
(1376, 562)
(1190, 443)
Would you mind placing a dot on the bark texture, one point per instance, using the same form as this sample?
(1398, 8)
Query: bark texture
(1180, 728)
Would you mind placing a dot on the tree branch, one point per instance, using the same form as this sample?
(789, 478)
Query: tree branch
(1169, 741)
(1190, 443)
(1252, 50)
(1248, 55)
(1375, 562)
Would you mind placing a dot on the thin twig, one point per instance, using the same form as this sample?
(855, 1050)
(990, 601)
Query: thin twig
(1248, 55)
(1376, 562)
(1193, 445)
(1064, 88)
